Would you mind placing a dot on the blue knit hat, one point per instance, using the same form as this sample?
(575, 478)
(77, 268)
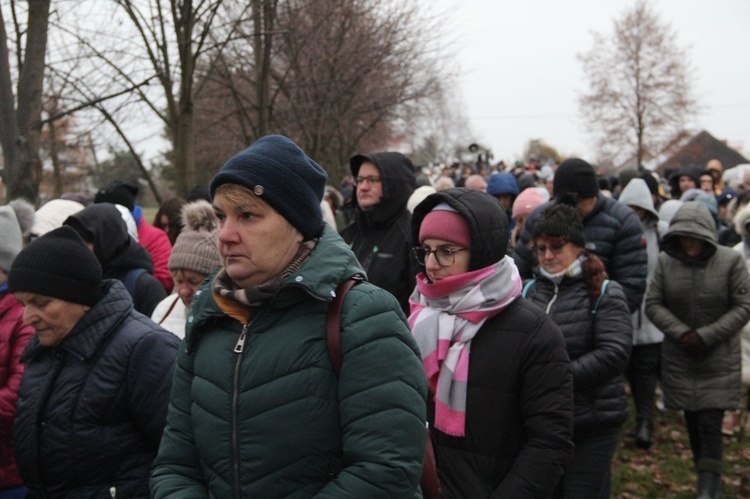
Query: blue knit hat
(275, 169)
(502, 183)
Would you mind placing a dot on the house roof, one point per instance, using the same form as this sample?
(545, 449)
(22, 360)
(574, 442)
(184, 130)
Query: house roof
(699, 150)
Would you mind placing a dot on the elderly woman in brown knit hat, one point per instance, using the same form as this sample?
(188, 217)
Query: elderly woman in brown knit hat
(93, 397)
(194, 256)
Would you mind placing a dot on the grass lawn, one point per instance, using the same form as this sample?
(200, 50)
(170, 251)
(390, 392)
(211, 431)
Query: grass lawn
(666, 469)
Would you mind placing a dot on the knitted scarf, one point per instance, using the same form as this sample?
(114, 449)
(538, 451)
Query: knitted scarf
(444, 318)
(255, 296)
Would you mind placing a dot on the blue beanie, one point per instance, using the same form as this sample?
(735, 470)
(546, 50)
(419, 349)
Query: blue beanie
(502, 183)
(275, 169)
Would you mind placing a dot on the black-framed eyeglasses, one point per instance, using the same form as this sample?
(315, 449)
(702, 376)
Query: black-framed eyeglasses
(444, 255)
(372, 180)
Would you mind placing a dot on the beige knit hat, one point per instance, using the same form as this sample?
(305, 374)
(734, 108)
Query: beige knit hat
(195, 248)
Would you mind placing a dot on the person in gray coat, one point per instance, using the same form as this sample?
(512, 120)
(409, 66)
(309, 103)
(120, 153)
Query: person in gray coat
(700, 299)
(643, 369)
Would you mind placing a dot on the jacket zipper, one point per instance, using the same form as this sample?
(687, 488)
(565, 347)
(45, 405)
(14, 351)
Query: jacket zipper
(554, 297)
(238, 349)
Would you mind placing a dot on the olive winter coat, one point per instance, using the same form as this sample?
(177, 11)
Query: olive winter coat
(710, 295)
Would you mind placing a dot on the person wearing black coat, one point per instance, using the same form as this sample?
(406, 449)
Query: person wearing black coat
(593, 314)
(120, 256)
(379, 234)
(501, 395)
(612, 230)
(93, 398)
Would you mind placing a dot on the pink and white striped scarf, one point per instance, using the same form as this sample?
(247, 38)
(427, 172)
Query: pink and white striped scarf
(444, 318)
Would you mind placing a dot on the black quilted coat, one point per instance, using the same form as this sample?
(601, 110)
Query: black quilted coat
(92, 409)
(598, 344)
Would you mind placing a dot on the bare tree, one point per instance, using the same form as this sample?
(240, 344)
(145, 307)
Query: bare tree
(20, 112)
(639, 94)
(342, 75)
(133, 60)
(441, 130)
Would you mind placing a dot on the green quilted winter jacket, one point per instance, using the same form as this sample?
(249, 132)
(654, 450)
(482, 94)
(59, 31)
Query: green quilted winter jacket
(269, 418)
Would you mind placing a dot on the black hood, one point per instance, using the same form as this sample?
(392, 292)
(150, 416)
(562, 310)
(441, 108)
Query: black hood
(692, 171)
(488, 224)
(398, 180)
(113, 246)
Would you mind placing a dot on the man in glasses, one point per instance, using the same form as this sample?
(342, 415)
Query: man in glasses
(380, 233)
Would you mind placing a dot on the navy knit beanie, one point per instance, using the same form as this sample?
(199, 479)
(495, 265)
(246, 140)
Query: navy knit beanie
(59, 265)
(275, 169)
(575, 176)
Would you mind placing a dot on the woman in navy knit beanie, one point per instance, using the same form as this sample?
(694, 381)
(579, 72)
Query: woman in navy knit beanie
(257, 409)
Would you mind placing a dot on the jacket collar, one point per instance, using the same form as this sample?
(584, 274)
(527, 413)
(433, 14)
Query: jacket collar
(94, 329)
(330, 263)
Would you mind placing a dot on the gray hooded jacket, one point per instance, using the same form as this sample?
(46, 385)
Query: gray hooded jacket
(637, 194)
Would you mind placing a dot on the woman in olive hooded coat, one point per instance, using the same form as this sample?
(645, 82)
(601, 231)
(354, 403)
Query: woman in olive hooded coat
(700, 299)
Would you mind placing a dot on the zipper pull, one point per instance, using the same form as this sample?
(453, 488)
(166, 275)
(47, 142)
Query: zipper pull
(113, 492)
(241, 341)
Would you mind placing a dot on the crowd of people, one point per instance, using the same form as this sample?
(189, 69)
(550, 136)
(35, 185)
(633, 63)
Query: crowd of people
(500, 316)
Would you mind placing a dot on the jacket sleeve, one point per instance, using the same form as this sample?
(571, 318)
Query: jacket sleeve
(656, 308)
(738, 313)
(613, 339)
(177, 472)
(547, 404)
(150, 381)
(18, 336)
(160, 249)
(382, 400)
(628, 264)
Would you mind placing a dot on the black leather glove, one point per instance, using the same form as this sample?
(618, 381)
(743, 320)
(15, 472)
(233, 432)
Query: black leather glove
(694, 345)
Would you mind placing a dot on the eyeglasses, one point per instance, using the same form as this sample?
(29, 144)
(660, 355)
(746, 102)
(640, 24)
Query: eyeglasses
(372, 180)
(444, 256)
(556, 248)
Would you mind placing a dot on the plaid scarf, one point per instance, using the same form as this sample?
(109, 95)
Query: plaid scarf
(255, 296)
(444, 318)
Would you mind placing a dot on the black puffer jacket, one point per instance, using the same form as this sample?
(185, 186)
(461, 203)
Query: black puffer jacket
(380, 238)
(519, 406)
(118, 253)
(91, 410)
(598, 344)
(612, 232)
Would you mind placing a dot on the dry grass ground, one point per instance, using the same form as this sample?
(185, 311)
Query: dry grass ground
(666, 469)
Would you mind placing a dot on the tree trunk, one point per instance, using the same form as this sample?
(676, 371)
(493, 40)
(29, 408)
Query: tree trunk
(8, 125)
(25, 173)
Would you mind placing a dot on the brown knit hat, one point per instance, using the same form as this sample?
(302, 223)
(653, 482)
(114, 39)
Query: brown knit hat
(195, 248)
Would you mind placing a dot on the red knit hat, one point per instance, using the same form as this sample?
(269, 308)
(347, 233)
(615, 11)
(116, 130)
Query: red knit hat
(445, 223)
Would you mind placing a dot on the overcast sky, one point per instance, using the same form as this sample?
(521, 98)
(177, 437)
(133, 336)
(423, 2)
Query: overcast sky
(519, 77)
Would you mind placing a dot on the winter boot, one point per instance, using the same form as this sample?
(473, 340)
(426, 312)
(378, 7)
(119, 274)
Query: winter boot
(709, 485)
(643, 433)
